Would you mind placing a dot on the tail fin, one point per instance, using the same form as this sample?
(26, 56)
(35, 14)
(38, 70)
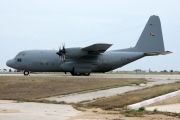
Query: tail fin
(151, 39)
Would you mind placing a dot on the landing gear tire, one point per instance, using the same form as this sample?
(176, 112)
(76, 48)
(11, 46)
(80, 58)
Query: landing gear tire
(26, 73)
(75, 74)
(78, 74)
(86, 74)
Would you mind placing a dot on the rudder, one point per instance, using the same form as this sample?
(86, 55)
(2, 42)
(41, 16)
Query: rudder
(151, 39)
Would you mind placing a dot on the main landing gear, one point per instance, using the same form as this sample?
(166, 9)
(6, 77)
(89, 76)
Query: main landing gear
(80, 71)
(26, 73)
(79, 74)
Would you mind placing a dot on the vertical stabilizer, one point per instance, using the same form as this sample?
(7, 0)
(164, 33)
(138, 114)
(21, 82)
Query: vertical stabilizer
(151, 39)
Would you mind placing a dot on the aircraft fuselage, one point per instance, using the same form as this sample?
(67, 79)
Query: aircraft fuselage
(48, 61)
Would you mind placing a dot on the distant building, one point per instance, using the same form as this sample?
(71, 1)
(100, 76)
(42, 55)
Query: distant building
(140, 71)
(3, 70)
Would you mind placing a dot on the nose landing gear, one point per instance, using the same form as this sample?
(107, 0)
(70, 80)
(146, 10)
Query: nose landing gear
(26, 73)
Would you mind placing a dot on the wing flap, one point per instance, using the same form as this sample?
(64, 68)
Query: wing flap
(97, 48)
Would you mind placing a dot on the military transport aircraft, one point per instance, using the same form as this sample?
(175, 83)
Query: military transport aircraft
(93, 58)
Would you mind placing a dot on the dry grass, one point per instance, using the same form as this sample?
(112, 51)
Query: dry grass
(31, 88)
(140, 113)
(128, 98)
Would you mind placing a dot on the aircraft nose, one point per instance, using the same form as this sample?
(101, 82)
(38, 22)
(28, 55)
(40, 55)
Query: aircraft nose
(10, 63)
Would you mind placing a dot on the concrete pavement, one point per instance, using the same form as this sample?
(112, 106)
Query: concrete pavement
(11, 110)
(166, 108)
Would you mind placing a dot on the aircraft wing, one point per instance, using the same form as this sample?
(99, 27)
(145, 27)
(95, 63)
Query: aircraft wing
(97, 48)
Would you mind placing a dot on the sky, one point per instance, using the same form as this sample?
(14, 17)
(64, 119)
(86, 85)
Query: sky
(46, 24)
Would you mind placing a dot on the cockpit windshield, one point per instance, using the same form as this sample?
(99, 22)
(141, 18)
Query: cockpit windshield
(21, 54)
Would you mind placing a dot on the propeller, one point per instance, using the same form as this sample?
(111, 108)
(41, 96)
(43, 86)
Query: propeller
(62, 52)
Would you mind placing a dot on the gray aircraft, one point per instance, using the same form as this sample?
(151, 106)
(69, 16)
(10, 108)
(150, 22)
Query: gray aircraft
(94, 58)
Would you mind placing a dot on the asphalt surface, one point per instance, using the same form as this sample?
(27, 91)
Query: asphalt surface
(108, 75)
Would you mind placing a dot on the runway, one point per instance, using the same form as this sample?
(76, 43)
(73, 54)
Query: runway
(104, 75)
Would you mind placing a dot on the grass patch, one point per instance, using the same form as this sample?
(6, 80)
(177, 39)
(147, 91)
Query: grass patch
(133, 113)
(29, 88)
(132, 97)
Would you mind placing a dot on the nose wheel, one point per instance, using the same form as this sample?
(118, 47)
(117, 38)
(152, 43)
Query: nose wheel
(26, 73)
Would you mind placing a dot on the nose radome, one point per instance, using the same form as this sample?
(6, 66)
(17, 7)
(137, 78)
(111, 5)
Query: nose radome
(9, 63)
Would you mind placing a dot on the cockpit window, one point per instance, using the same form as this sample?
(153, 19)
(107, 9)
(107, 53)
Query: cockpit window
(19, 60)
(20, 54)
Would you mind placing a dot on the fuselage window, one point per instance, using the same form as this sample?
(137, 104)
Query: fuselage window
(123, 59)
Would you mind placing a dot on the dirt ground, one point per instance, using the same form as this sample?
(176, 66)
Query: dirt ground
(12, 110)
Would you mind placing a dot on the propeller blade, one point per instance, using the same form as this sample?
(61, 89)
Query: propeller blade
(59, 48)
(62, 52)
(64, 46)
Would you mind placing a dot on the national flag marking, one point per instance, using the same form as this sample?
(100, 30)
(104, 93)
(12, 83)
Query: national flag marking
(152, 34)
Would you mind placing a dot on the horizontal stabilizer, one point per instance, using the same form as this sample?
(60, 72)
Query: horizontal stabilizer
(157, 53)
(97, 48)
